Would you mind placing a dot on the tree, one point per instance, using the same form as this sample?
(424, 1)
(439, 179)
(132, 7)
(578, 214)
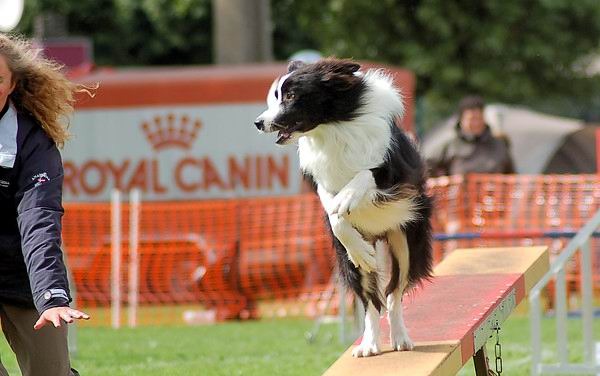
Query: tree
(512, 51)
(135, 32)
(516, 51)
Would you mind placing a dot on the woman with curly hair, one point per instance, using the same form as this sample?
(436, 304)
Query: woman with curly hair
(35, 102)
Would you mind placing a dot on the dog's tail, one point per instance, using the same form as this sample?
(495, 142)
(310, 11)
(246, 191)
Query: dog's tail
(418, 236)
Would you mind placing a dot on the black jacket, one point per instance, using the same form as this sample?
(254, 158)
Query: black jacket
(485, 153)
(32, 271)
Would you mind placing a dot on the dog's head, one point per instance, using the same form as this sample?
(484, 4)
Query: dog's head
(308, 95)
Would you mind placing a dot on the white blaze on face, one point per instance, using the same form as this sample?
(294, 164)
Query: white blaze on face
(273, 104)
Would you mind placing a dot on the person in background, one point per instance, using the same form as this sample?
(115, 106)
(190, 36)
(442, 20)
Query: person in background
(35, 100)
(473, 149)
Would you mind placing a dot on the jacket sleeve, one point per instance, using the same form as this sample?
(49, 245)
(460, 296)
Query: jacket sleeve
(39, 210)
(437, 163)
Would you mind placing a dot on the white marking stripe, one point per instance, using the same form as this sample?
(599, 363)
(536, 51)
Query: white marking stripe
(271, 100)
(281, 81)
(58, 293)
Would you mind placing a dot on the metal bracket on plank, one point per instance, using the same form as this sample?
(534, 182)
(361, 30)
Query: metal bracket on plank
(498, 315)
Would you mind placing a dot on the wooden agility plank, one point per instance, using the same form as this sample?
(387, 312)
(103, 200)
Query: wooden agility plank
(452, 316)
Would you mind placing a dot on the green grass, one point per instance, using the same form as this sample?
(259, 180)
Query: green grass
(515, 339)
(274, 347)
(251, 348)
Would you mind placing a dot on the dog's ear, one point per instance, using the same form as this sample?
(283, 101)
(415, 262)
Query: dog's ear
(347, 67)
(340, 73)
(295, 64)
(339, 66)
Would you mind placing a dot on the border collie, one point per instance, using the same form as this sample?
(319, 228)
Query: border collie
(369, 177)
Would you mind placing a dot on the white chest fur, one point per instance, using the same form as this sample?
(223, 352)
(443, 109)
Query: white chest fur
(334, 153)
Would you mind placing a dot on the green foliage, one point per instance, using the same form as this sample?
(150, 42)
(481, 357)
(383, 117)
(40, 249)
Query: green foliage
(288, 36)
(135, 32)
(510, 51)
(530, 52)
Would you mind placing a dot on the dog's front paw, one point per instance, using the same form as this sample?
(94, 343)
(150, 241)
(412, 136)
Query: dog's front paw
(366, 349)
(346, 201)
(363, 258)
(401, 342)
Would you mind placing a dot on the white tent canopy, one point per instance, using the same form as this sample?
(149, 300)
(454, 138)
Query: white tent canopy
(534, 137)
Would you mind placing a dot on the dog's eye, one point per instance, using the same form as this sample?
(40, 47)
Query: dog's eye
(289, 96)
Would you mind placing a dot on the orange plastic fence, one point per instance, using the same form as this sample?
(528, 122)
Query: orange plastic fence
(227, 255)
(562, 202)
(223, 255)
(517, 204)
(285, 248)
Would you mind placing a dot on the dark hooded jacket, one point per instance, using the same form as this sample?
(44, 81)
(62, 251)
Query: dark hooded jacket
(32, 271)
(485, 153)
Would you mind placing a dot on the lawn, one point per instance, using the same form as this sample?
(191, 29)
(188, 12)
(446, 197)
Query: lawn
(274, 347)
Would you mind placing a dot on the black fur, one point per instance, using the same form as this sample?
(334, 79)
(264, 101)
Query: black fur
(352, 276)
(348, 272)
(404, 168)
(418, 237)
(319, 93)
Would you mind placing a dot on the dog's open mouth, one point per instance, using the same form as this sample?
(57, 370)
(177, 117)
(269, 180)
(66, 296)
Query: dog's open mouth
(283, 137)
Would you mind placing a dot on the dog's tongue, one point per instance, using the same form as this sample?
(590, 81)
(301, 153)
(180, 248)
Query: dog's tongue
(283, 137)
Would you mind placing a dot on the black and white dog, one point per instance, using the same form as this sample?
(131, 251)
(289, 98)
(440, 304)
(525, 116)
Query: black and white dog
(370, 179)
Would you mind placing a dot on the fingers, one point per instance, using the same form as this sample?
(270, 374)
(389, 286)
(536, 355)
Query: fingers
(40, 323)
(55, 319)
(69, 314)
(58, 314)
(45, 319)
(79, 315)
(66, 317)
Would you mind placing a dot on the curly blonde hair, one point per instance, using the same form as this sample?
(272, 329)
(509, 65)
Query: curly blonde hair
(41, 88)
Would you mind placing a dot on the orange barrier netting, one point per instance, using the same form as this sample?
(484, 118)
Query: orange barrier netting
(222, 255)
(518, 204)
(226, 256)
(285, 249)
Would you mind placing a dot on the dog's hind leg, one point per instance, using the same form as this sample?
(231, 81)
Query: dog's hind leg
(399, 252)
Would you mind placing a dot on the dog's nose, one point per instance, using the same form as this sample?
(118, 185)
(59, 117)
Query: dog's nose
(260, 124)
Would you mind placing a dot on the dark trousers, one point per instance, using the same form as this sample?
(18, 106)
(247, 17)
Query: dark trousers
(41, 352)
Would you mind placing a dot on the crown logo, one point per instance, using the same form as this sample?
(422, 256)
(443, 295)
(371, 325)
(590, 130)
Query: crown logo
(171, 132)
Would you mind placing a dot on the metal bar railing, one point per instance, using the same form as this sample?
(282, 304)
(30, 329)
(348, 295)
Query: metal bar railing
(536, 335)
(561, 317)
(587, 303)
(580, 242)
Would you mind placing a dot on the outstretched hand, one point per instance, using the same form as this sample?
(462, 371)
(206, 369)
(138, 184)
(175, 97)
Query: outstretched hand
(56, 314)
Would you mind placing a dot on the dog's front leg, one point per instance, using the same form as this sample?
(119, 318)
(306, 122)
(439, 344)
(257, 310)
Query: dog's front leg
(360, 252)
(354, 193)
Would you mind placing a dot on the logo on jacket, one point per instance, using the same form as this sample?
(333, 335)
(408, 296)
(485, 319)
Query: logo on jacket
(4, 184)
(40, 178)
